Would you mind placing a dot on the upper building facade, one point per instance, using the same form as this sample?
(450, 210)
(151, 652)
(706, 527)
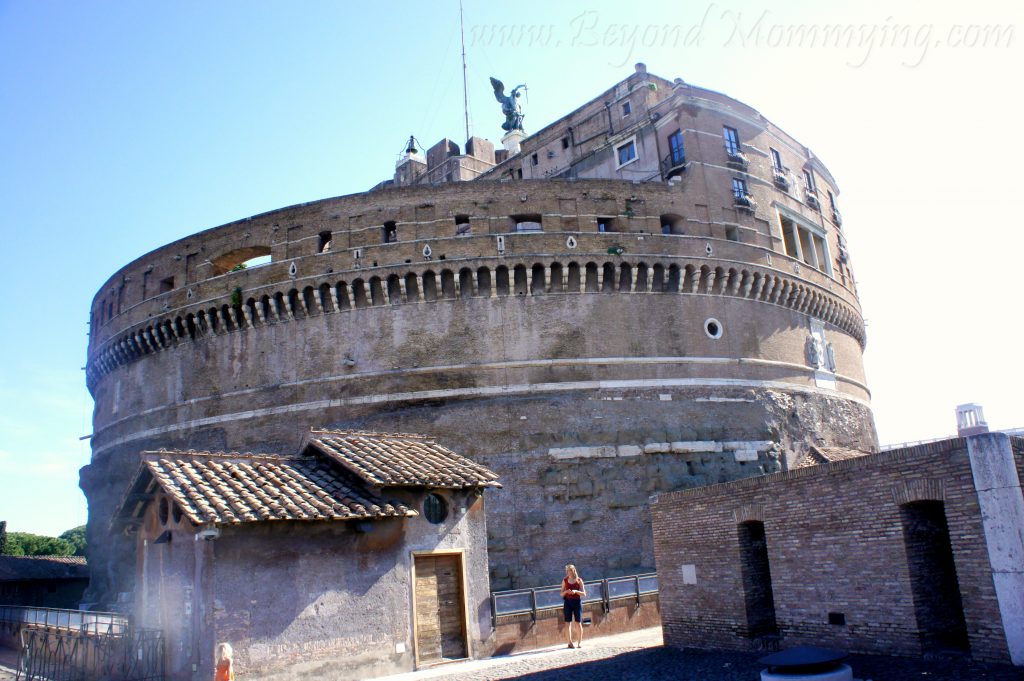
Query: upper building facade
(650, 294)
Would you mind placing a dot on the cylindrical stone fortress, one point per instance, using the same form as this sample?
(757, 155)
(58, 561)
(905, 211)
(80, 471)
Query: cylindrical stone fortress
(590, 369)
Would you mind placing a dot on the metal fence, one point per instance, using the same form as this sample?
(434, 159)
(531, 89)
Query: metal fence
(78, 645)
(70, 620)
(604, 591)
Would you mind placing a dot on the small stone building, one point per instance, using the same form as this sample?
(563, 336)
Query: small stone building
(43, 581)
(908, 551)
(363, 554)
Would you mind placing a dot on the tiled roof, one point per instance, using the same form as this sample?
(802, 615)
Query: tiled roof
(20, 568)
(232, 488)
(818, 455)
(401, 460)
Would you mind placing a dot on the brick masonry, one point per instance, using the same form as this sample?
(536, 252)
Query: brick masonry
(835, 542)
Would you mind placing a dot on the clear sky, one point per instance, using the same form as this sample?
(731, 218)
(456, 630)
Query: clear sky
(125, 125)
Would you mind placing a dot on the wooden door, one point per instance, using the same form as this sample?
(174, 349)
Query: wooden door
(440, 625)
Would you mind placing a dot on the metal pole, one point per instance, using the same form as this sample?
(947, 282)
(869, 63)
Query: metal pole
(465, 86)
(533, 605)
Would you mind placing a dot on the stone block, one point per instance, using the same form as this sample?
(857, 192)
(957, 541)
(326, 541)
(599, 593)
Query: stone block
(756, 445)
(658, 448)
(696, 446)
(746, 455)
(607, 451)
(630, 450)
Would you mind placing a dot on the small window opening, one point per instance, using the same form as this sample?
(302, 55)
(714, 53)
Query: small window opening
(519, 173)
(534, 160)
(626, 153)
(837, 618)
(732, 233)
(163, 511)
(462, 225)
(627, 109)
(324, 242)
(607, 224)
(672, 224)
(529, 222)
(565, 142)
(713, 328)
(435, 509)
(389, 232)
(166, 284)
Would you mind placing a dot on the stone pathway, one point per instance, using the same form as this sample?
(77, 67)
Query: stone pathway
(639, 656)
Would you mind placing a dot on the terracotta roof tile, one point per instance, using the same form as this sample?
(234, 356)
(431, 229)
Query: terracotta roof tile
(401, 460)
(20, 568)
(819, 455)
(232, 488)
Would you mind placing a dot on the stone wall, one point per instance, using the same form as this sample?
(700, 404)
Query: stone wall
(837, 552)
(506, 345)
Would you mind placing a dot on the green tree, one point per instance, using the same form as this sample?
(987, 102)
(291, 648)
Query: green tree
(3, 537)
(76, 537)
(26, 544)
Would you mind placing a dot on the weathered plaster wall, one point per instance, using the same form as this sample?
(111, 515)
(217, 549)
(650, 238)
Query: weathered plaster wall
(300, 599)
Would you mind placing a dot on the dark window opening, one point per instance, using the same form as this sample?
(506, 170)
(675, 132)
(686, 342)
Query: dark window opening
(732, 140)
(837, 618)
(757, 580)
(607, 224)
(462, 225)
(627, 108)
(938, 605)
(166, 284)
(163, 511)
(389, 233)
(565, 142)
(519, 173)
(435, 509)
(732, 233)
(672, 224)
(675, 145)
(534, 160)
(324, 242)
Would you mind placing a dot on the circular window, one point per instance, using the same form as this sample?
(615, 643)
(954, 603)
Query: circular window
(163, 511)
(435, 508)
(713, 328)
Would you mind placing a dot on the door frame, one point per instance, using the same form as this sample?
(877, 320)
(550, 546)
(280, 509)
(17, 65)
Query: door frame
(463, 605)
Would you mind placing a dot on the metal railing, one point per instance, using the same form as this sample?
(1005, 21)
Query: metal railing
(82, 621)
(603, 591)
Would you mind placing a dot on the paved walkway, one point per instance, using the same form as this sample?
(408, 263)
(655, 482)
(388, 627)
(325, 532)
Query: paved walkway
(640, 656)
(8, 663)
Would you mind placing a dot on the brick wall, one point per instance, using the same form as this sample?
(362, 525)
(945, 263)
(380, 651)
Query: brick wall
(835, 543)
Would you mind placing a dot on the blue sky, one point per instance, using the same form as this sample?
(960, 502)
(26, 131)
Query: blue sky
(125, 125)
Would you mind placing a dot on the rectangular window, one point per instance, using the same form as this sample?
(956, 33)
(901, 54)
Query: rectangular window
(533, 159)
(809, 182)
(324, 239)
(739, 188)
(832, 201)
(789, 236)
(776, 160)
(675, 146)
(166, 284)
(732, 140)
(626, 109)
(565, 142)
(626, 153)
(806, 244)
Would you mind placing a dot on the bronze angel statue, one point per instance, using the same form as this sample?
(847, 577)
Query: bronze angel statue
(509, 106)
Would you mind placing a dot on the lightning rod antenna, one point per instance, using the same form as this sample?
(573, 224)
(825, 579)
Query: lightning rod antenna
(465, 86)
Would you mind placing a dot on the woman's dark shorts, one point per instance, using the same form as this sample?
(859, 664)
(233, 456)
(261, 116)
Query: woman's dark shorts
(572, 608)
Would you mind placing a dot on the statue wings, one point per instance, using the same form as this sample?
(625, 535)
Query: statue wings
(499, 89)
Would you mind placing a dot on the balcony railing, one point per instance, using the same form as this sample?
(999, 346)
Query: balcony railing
(603, 591)
(811, 198)
(745, 201)
(779, 178)
(673, 164)
(736, 158)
